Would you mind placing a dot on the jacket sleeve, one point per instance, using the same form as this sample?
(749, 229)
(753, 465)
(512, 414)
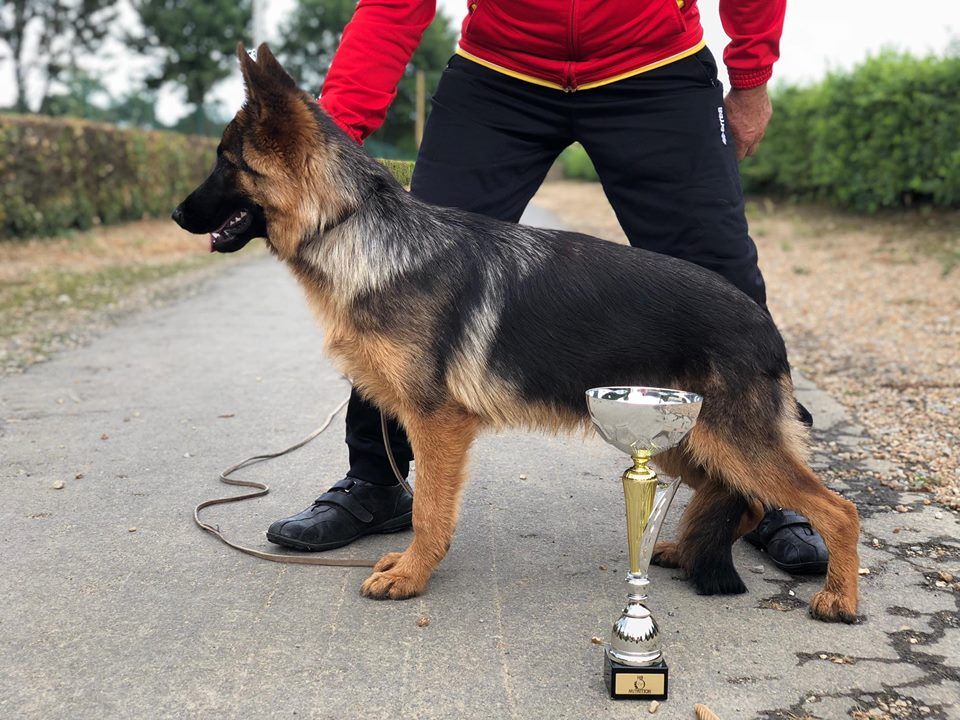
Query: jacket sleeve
(754, 27)
(374, 51)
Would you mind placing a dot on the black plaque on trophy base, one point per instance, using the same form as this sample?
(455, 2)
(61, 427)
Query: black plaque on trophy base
(628, 682)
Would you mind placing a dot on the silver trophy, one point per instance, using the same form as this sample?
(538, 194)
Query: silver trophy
(641, 421)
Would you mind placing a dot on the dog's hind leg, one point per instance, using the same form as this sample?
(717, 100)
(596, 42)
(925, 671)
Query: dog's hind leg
(668, 553)
(440, 443)
(775, 474)
(709, 528)
(713, 520)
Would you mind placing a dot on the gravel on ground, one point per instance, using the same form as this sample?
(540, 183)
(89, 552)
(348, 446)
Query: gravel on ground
(870, 308)
(56, 292)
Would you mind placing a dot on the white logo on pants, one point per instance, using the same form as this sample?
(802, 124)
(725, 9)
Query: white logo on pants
(723, 125)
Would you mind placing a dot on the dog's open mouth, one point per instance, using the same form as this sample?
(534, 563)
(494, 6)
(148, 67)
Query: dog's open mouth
(233, 234)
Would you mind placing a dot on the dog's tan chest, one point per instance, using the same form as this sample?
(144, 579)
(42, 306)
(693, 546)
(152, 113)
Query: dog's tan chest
(379, 366)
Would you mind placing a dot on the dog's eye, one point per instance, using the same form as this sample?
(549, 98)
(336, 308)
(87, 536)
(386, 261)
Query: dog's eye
(238, 163)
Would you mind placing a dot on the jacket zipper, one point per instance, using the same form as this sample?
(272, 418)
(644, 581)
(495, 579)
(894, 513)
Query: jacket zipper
(568, 86)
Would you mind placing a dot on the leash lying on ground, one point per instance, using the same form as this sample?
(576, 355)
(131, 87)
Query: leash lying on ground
(262, 489)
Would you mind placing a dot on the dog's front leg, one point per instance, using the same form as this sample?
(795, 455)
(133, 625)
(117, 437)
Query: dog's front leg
(440, 442)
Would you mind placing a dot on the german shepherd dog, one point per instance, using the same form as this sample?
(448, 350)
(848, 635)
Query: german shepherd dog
(453, 322)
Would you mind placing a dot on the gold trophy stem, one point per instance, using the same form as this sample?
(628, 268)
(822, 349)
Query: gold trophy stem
(639, 491)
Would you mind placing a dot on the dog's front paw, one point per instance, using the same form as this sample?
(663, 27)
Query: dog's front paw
(392, 584)
(666, 554)
(833, 607)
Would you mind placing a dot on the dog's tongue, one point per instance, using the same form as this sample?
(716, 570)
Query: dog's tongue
(215, 235)
(213, 241)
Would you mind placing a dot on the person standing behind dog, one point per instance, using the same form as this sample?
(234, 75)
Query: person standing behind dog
(630, 80)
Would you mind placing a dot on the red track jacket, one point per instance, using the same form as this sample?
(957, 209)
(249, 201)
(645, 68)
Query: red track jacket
(565, 44)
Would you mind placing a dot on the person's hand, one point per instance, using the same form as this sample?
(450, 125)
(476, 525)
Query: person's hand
(748, 112)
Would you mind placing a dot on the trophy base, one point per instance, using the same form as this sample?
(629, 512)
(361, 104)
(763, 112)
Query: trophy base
(628, 682)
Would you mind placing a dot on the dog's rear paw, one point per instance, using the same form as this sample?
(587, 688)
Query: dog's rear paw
(391, 585)
(833, 607)
(716, 579)
(666, 554)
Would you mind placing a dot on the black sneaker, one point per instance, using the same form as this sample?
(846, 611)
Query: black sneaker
(346, 512)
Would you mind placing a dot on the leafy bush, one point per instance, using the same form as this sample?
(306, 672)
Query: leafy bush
(885, 134)
(402, 170)
(58, 175)
(577, 164)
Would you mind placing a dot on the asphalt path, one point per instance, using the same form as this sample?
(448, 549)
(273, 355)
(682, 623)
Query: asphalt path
(115, 606)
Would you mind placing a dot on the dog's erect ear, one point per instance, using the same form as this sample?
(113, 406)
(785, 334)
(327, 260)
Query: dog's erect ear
(252, 74)
(269, 87)
(275, 105)
(272, 68)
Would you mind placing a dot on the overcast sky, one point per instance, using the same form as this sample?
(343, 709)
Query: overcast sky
(818, 35)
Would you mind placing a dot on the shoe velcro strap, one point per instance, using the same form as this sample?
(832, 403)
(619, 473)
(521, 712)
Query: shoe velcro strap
(346, 500)
(346, 483)
(788, 518)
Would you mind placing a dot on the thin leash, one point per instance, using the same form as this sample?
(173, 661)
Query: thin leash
(262, 489)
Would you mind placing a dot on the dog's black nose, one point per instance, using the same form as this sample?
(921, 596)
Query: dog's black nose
(177, 216)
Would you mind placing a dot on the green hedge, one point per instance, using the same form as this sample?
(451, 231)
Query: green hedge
(402, 170)
(576, 164)
(58, 175)
(885, 134)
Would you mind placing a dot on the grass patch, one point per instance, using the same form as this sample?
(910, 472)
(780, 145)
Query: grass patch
(55, 291)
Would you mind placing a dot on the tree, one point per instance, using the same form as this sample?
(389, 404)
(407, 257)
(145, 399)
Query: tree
(136, 108)
(210, 122)
(194, 43)
(311, 36)
(83, 96)
(44, 37)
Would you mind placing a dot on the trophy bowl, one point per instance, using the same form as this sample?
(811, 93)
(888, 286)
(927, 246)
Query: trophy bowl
(641, 421)
(643, 418)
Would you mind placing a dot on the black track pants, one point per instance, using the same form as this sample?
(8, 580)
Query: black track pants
(659, 143)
